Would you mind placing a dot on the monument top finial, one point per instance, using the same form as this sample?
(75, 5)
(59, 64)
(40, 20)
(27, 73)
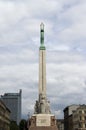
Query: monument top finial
(42, 26)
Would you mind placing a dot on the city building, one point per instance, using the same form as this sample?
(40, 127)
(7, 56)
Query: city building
(60, 124)
(4, 117)
(79, 118)
(68, 121)
(13, 102)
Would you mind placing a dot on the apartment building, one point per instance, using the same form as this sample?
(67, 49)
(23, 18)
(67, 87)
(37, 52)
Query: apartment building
(4, 117)
(79, 118)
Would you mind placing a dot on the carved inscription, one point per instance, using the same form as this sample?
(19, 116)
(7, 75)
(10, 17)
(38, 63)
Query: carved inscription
(43, 121)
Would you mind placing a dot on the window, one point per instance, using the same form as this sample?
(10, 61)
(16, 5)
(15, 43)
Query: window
(80, 118)
(85, 125)
(80, 112)
(79, 125)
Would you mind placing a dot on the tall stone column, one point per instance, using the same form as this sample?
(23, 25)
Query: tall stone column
(42, 72)
(42, 118)
(42, 105)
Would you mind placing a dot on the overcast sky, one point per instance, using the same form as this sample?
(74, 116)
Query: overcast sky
(65, 41)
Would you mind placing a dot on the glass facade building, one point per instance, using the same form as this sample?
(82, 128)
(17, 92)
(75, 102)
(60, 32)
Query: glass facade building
(13, 102)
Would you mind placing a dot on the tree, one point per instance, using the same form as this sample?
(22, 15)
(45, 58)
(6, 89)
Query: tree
(13, 125)
(23, 125)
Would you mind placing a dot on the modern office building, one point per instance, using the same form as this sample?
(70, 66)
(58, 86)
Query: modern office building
(4, 117)
(13, 102)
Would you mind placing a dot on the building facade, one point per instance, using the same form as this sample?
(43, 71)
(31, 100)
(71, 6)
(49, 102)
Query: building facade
(13, 102)
(60, 124)
(4, 117)
(68, 121)
(79, 118)
(75, 117)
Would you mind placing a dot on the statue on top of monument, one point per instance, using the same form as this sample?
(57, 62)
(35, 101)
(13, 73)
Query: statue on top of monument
(42, 36)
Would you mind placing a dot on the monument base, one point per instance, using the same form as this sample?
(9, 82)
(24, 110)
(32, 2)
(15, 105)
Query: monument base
(42, 122)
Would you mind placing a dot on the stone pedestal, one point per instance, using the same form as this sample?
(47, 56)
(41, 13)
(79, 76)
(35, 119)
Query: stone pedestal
(42, 122)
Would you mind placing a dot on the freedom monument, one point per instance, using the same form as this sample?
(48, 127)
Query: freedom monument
(42, 119)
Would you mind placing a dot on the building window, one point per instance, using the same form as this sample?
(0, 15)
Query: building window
(80, 118)
(79, 125)
(80, 112)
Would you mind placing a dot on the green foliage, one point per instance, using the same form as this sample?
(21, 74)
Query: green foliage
(23, 125)
(13, 126)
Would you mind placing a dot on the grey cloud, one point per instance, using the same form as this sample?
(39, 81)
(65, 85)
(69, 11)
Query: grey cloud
(65, 41)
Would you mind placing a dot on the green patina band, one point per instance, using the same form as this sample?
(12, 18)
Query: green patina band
(42, 48)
